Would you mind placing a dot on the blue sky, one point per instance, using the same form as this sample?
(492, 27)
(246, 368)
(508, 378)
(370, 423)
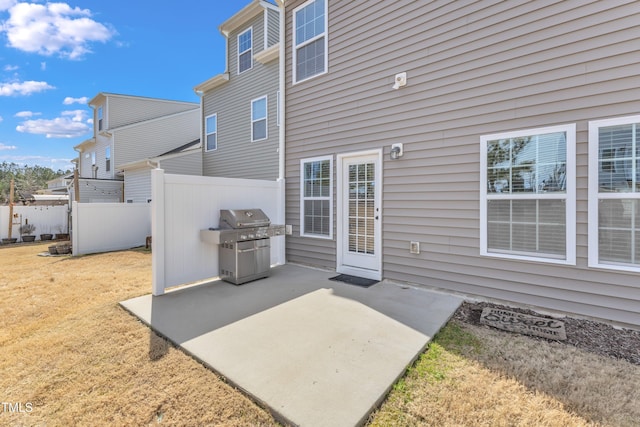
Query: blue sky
(54, 57)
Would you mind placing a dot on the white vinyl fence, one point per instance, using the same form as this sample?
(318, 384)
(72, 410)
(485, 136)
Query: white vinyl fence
(104, 227)
(47, 219)
(182, 205)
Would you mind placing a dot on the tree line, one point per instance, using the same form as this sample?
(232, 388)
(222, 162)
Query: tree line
(28, 179)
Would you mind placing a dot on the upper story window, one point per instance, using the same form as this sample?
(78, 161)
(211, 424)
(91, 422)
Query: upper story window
(259, 119)
(211, 124)
(614, 193)
(527, 195)
(245, 51)
(310, 40)
(100, 120)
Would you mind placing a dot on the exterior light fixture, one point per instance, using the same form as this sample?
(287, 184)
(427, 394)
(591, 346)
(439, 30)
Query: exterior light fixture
(396, 151)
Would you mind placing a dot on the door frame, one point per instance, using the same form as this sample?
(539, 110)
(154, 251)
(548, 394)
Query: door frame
(341, 188)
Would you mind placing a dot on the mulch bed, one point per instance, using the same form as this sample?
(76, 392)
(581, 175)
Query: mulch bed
(588, 335)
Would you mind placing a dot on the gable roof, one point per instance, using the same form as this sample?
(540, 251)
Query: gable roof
(245, 15)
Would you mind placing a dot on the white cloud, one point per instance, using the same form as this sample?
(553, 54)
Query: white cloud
(23, 88)
(10, 67)
(53, 28)
(43, 66)
(7, 147)
(6, 4)
(71, 124)
(69, 100)
(25, 114)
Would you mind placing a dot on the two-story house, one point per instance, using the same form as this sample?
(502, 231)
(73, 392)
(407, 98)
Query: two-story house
(128, 130)
(488, 148)
(240, 107)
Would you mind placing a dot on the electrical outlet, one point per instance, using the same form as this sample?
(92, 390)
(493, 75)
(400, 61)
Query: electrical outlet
(288, 230)
(414, 248)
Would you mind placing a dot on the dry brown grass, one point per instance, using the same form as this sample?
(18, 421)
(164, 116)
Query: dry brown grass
(72, 352)
(79, 359)
(482, 377)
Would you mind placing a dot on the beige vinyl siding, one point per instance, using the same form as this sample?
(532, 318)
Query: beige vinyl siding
(236, 156)
(473, 69)
(154, 137)
(125, 110)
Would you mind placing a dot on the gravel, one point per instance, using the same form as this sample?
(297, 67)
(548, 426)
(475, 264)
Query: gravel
(588, 335)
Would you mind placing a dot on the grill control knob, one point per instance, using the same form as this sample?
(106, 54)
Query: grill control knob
(243, 236)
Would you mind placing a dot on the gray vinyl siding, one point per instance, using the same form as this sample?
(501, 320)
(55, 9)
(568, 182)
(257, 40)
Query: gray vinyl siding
(125, 110)
(100, 191)
(154, 137)
(137, 185)
(236, 155)
(474, 68)
(273, 29)
(188, 164)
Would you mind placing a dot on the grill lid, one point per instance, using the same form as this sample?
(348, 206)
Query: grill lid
(243, 218)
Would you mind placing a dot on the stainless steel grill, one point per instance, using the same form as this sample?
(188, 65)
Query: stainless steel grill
(245, 248)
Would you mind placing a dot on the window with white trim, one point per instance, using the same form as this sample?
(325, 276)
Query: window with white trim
(245, 50)
(259, 119)
(527, 194)
(107, 159)
(310, 40)
(211, 131)
(316, 201)
(614, 193)
(100, 119)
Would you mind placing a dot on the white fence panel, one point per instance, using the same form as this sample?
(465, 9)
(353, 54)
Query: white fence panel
(183, 205)
(104, 227)
(47, 219)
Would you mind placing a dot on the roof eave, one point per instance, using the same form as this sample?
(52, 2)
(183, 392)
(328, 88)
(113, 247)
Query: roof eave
(212, 83)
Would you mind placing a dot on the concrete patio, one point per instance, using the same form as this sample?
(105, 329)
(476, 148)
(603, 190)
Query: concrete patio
(314, 352)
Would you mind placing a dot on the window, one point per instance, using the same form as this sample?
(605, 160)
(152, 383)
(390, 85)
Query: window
(211, 123)
(527, 195)
(316, 183)
(310, 40)
(245, 51)
(107, 159)
(614, 193)
(259, 119)
(100, 122)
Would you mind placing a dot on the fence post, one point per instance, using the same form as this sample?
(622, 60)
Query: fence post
(157, 232)
(75, 229)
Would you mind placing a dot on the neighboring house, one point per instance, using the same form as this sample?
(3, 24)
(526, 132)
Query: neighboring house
(129, 129)
(514, 172)
(185, 160)
(240, 118)
(60, 184)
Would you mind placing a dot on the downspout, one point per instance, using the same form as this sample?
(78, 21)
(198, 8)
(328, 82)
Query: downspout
(282, 84)
(283, 121)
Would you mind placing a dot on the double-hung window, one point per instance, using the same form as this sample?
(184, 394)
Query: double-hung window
(614, 193)
(310, 40)
(259, 119)
(316, 201)
(527, 195)
(245, 51)
(211, 125)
